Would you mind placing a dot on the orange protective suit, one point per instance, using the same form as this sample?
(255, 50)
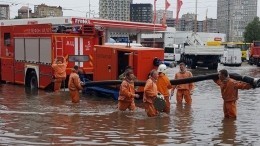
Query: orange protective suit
(74, 87)
(126, 96)
(59, 74)
(150, 93)
(184, 90)
(163, 86)
(229, 91)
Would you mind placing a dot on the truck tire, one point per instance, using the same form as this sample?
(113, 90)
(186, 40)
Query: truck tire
(239, 65)
(250, 61)
(188, 62)
(257, 62)
(213, 66)
(33, 81)
(193, 64)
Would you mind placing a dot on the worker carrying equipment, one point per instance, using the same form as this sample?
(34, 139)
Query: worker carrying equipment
(163, 86)
(159, 102)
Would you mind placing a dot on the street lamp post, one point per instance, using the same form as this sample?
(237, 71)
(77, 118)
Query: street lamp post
(91, 12)
(28, 11)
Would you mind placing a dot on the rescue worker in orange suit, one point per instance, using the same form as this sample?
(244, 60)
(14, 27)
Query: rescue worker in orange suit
(127, 92)
(74, 85)
(163, 85)
(229, 91)
(150, 93)
(59, 68)
(183, 90)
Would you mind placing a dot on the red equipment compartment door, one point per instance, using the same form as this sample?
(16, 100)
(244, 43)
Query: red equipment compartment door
(19, 72)
(7, 68)
(103, 64)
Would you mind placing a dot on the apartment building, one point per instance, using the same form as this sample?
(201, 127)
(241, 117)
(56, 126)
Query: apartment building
(115, 9)
(141, 13)
(233, 16)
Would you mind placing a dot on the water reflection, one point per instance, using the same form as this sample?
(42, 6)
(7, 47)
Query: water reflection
(227, 132)
(31, 92)
(155, 130)
(183, 121)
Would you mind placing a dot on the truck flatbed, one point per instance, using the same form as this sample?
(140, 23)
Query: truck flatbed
(203, 50)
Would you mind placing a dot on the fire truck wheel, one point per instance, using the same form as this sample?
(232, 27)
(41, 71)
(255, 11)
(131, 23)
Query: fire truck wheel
(33, 80)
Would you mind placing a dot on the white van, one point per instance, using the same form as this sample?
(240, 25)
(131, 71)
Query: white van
(172, 54)
(231, 57)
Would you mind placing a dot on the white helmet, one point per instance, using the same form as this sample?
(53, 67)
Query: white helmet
(162, 68)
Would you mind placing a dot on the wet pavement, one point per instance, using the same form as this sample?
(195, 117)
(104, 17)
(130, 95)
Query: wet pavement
(44, 118)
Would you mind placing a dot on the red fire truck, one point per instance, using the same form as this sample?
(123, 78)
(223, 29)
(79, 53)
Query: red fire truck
(29, 47)
(254, 54)
(27, 51)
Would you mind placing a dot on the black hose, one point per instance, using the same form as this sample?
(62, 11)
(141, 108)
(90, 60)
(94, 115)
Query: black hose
(102, 83)
(255, 82)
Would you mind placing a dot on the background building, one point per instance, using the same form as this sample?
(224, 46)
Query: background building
(210, 25)
(187, 21)
(40, 11)
(160, 13)
(141, 13)
(47, 11)
(233, 16)
(4, 12)
(115, 9)
(23, 12)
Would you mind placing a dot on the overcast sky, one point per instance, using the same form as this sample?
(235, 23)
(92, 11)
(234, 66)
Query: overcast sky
(81, 7)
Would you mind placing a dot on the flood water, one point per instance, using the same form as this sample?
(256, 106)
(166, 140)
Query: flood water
(44, 118)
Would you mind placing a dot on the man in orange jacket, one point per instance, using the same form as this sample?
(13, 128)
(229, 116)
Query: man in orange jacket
(183, 90)
(74, 85)
(150, 93)
(59, 68)
(127, 92)
(163, 85)
(229, 91)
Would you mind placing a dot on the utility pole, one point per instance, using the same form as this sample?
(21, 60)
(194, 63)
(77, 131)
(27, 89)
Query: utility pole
(88, 8)
(195, 27)
(28, 11)
(206, 21)
(228, 32)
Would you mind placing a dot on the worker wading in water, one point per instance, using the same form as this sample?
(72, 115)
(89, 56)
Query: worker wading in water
(150, 93)
(229, 91)
(183, 90)
(74, 85)
(59, 66)
(127, 92)
(163, 85)
(122, 76)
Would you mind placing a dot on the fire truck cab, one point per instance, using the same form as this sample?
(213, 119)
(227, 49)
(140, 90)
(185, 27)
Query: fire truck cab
(254, 55)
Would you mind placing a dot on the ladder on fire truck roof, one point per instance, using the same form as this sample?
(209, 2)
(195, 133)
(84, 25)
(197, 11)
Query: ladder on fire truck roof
(58, 46)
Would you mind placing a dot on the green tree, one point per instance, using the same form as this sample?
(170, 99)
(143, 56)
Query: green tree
(252, 30)
(17, 17)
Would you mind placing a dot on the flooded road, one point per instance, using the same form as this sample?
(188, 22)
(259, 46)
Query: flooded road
(51, 119)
